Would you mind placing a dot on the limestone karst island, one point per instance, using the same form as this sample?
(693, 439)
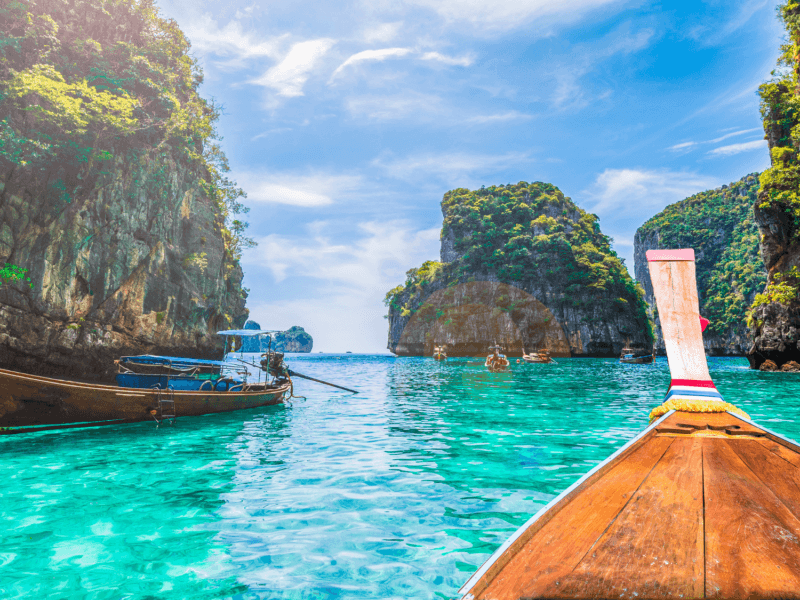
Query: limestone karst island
(464, 299)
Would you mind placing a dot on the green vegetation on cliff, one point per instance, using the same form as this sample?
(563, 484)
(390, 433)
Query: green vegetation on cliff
(526, 233)
(719, 225)
(86, 84)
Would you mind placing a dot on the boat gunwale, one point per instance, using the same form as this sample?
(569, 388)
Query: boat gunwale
(139, 391)
(492, 562)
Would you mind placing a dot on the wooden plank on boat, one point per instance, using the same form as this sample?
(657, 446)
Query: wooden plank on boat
(654, 548)
(752, 538)
(556, 545)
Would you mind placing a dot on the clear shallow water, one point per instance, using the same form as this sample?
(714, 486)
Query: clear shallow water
(399, 492)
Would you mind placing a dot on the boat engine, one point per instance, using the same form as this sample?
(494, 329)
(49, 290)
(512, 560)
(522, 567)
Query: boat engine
(272, 363)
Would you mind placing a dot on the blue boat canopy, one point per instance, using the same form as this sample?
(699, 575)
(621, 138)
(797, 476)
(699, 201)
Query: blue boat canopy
(173, 361)
(246, 332)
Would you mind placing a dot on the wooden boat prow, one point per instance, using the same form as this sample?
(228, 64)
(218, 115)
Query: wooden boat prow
(699, 505)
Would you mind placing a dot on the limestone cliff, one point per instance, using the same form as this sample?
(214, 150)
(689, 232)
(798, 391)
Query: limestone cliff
(720, 226)
(523, 266)
(111, 192)
(775, 313)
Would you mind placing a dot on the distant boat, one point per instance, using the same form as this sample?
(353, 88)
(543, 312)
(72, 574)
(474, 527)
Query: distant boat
(634, 357)
(538, 356)
(496, 362)
(439, 353)
(704, 503)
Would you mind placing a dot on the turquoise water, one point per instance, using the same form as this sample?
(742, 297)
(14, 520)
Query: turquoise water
(401, 491)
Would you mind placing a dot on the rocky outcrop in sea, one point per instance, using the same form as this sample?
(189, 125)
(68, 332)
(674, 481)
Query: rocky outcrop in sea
(524, 267)
(294, 339)
(719, 225)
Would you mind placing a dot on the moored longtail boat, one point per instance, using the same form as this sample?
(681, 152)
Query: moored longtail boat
(30, 400)
(496, 362)
(439, 353)
(542, 355)
(704, 503)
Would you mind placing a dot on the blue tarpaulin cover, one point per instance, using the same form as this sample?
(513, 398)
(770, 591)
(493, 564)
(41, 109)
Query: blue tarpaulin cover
(245, 332)
(175, 361)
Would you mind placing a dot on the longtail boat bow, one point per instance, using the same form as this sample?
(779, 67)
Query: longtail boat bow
(703, 503)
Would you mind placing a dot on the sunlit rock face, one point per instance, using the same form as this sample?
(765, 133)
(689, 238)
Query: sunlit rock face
(127, 268)
(465, 317)
(523, 267)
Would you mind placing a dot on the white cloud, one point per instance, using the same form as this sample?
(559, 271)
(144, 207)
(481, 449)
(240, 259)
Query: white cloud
(642, 192)
(510, 14)
(230, 41)
(296, 190)
(371, 55)
(290, 75)
(460, 169)
(346, 312)
(737, 148)
(385, 32)
(399, 106)
(511, 115)
(683, 146)
(456, 61)
(689, 145)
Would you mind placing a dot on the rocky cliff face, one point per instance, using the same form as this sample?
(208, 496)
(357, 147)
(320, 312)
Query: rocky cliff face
(720, 226)
(522, 266)
(112, 192)
(125, 269)
(775, 314)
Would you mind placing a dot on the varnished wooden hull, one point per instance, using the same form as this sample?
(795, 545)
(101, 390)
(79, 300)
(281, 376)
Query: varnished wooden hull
(540, 361)
(639, 360)
(27, 400)
(697, 506)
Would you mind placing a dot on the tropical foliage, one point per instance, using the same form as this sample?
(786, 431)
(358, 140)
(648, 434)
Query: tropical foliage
(88, 83)
(12, 273)
(526, 233)
(719, 225)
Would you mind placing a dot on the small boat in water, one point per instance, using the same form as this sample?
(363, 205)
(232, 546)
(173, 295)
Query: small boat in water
(496, 362)
(538, 356)
(704, 503)
(149, 387)
(439, 353)
(636, 357)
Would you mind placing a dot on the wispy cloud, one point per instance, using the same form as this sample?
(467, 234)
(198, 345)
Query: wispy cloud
(689, 145)
(460, 169)
(230, 41)
(290, 75)
(382, 33)
(394, 107)
(511, 115)
(738, 148)
(371, 55)
(456, 61)
(311, 190)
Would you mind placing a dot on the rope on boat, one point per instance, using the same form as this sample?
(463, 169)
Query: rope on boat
(695, 406)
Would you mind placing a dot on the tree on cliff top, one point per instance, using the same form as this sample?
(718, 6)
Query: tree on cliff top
(84, 82)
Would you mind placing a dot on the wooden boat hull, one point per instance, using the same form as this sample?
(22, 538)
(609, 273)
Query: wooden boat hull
(639, 360)
(27, 400)
(538, 360)
(697, 506)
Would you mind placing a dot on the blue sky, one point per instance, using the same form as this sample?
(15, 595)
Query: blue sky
(346, 123)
